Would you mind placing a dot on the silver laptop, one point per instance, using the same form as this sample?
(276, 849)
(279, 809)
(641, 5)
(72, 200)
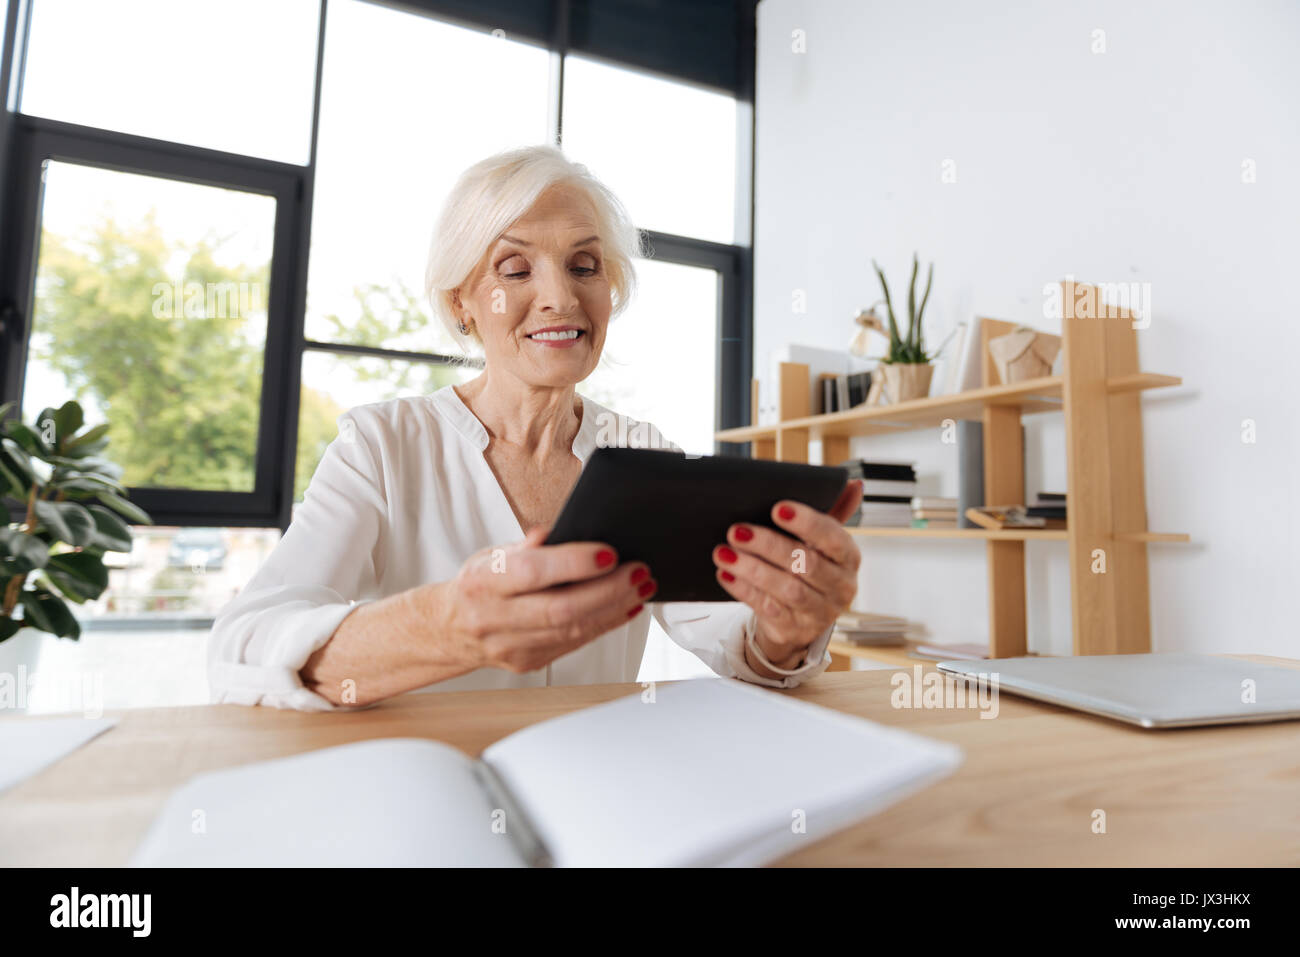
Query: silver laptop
(1154, 691)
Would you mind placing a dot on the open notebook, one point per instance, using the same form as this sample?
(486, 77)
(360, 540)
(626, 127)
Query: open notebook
(713, 772)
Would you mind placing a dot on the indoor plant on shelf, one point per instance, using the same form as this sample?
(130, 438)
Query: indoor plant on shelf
(70, 508)
(906, 367)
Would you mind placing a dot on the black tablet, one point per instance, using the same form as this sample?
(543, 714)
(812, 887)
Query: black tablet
(671, 510)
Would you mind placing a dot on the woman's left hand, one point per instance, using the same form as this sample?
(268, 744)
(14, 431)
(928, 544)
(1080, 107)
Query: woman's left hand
(797, 583)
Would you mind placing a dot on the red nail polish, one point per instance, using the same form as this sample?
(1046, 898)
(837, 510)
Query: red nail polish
(604, 558)
(647, 589)
(639, 574)
(743, 534)
(785, 512)
(727, 576)
(635, 611)
(725, 554)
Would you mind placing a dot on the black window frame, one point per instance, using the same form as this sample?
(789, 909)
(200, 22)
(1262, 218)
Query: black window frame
(26, 142)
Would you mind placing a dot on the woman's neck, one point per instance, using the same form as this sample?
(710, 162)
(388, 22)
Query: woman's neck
(535, 420)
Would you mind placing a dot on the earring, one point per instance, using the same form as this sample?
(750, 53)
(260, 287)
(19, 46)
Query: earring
(464, 329)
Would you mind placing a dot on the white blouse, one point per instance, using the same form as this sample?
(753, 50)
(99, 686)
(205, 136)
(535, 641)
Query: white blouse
(402, 497)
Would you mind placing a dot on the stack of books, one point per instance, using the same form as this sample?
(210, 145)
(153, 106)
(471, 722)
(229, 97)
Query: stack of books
(1049, 506)
(934, 513)
(842, 392)
(887, 492)
(865, 628)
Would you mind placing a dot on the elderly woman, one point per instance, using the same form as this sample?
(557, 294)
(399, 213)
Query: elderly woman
(416, 559)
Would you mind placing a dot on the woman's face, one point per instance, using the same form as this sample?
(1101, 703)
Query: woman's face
(541, 298)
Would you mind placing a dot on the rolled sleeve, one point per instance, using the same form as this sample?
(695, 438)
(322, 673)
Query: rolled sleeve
(716, 632)
(318, 573)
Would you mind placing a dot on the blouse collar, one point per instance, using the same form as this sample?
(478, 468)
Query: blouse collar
(454, 409)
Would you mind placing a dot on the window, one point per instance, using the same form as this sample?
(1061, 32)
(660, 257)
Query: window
(391, 144)
(667, 149)
(232, 75)
(659, 359)
(150, 310)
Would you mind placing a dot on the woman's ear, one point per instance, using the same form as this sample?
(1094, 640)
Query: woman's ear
(458, 307)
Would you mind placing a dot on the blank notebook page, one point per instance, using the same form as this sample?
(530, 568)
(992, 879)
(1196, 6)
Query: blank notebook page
(713, 772)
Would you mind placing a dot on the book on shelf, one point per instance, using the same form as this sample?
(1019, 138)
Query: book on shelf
(941, 514)
(997, 517)
(866, 628)
(970, 469)
(884, 515)
(838, 393)
(888, 490)
(635, 782)
(934, 523)
(884, 471)
(884, 488)
(934, 502)
(1048, 505)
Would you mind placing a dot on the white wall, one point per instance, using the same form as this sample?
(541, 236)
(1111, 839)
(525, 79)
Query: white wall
(1118, 166)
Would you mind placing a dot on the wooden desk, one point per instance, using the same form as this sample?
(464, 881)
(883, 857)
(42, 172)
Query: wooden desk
(1024, 796)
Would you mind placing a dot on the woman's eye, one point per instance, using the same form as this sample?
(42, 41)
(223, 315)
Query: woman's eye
(514, 268)
(584, 270)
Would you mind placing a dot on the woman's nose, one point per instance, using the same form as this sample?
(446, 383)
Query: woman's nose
(555, 290)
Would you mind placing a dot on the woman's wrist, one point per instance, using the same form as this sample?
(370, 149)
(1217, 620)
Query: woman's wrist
(763, 657)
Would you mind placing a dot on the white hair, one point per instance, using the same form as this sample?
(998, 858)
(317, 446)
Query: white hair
(493, 194)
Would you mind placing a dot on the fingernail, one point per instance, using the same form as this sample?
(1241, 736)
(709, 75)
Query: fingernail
(639, 574)
(604, 558)
(727, 576)
(743, 533)
(725, 554)
(785, 513)
(647, 589)
(635, 611)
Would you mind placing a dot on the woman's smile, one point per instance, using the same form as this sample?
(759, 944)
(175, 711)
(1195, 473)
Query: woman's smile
(557, 337)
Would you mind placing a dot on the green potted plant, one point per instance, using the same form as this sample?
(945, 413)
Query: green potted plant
(906, 367)
(70, 510)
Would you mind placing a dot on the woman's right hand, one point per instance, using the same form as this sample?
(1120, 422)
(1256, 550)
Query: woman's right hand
(519, 607)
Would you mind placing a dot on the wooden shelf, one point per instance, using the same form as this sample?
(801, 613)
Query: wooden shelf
(1030, 396)
(981, 534)
(1099, 395)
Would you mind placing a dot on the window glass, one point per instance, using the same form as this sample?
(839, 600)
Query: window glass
(150, 310)
(395, 131)
(660, 358)
(667, 149)
(233, 75)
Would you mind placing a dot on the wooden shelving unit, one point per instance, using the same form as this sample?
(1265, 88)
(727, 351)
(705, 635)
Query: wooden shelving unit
(1099, 392)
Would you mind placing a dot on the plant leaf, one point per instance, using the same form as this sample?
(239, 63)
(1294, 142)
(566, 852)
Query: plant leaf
(114, 535)
(19, 457)
(68, 419)
(93, 484)
(9, 627)
(90, 435)
(929, 280)
(911, 304)
(26, 551)
(125, 508)
(69, 522)
(78, 575)
(27, 439)
(79, 449)
(895, 341)
(13, 481)
(47, 611)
